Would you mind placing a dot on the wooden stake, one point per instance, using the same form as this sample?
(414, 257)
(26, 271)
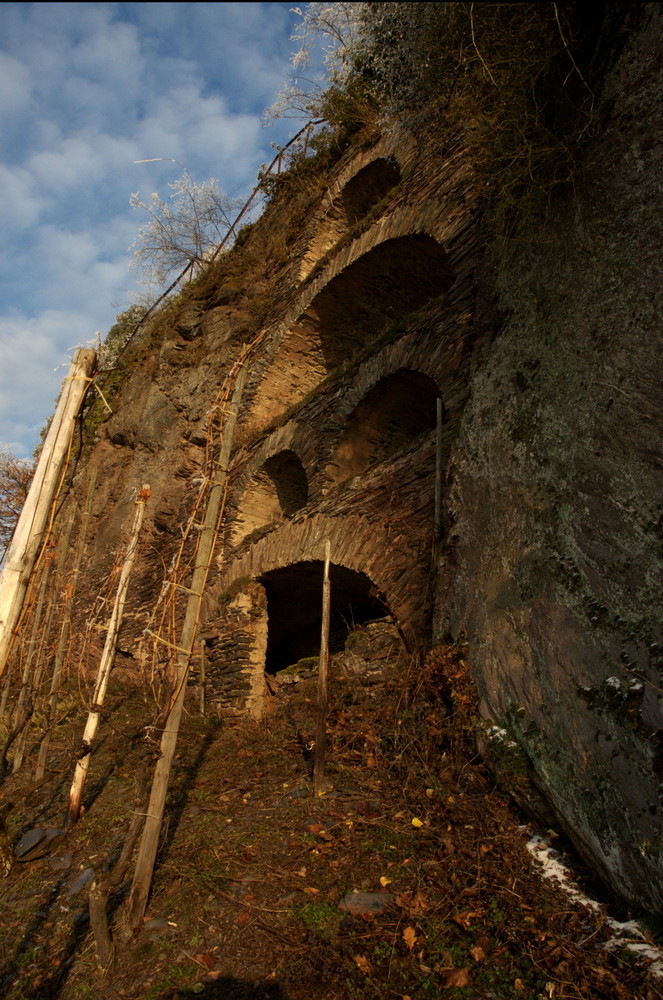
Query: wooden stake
(321, 726)
(149, 844)
(106, 662)
(438, 472)
(202, 677)
(32, 524)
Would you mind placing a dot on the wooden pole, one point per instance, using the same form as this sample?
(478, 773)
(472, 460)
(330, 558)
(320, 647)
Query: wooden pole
(149, 844)
(438, 471)
(201, 685)
(321, 727)
(106, 662)
(34, 519)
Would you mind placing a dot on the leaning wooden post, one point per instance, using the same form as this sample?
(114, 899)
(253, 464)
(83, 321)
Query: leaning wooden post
(32, 523)
(106, 662)
(438, 472)
(321, 727)
(149, 844)
(201, 685)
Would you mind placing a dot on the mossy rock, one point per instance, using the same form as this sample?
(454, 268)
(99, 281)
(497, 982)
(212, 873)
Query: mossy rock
(304, 665)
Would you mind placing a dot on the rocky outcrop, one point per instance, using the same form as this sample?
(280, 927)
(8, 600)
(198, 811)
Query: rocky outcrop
(554, 566)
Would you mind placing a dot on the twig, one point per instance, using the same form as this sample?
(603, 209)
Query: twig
(474, 43)
(570, 55)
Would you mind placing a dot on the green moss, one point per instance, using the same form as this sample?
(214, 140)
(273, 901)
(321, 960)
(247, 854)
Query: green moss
(305, 664)
(322, 917)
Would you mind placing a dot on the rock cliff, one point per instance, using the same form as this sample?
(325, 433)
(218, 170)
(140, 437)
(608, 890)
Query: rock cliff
(399, 349)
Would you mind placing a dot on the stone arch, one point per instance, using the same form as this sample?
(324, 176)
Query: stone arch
(278, 490)
(395, 560)
(263, 626)
(360, 194)
(397, 409)
(376, 291)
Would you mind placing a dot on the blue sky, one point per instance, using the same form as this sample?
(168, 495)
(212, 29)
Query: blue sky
(85, 90)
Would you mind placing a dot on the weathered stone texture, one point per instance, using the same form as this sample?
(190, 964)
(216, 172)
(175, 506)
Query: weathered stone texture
(555, 562)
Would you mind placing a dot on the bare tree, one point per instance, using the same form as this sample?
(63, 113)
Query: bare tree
(182, 230)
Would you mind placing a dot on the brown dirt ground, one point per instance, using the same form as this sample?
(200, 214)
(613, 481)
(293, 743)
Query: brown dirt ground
(252, 867)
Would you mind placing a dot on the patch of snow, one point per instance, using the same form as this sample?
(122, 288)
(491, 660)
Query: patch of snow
(613, 682)
(495, 733)
(626, 934)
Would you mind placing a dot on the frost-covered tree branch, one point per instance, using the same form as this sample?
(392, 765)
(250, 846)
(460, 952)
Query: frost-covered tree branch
(183, 230)
(329, 36)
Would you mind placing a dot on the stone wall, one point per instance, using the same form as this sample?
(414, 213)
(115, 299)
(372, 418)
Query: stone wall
(555, 562)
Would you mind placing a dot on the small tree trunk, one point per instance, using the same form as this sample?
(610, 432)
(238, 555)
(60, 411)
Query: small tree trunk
(321, 727)
(37, 510)
(106, 663)
(207, 538)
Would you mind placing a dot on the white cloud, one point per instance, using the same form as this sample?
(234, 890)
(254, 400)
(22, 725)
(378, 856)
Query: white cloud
(15, 86)
(85, 90)
(20, 201)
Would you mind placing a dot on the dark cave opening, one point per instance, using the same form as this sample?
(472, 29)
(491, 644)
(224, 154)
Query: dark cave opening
(294, 608)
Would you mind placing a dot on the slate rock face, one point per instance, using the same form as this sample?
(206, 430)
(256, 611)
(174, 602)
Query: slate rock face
(555, 563)
(37, 843)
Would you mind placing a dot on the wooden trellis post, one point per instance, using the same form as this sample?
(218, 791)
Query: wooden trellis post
(207, 538)
(37, 510)
(106, 662)
(438, 471)
(321, 726)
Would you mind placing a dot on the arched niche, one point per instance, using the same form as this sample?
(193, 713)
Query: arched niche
(376, 291)
(362, 193)
(294, 610)
(397, 410)
(368, 187)
(278, 490)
